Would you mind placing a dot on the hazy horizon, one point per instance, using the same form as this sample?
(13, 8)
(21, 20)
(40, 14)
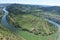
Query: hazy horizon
(33, 2)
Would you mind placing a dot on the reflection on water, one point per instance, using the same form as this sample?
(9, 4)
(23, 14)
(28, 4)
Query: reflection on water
(5, 23)
(54, 23)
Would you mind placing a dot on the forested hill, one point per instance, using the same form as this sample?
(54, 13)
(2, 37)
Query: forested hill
(27, 8)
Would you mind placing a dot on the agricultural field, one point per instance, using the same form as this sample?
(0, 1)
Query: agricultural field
(32, 27)
(6, 34)
(29, 21)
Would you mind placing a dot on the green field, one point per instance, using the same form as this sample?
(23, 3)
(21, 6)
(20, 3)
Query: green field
(5, 34)
(29, 21)
(29, 36)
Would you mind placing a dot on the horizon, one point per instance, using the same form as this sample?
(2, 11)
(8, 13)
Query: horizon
(33, 2)
(29, 4)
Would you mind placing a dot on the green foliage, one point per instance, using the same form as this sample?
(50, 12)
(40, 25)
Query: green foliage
(28, 21)
(33, 19)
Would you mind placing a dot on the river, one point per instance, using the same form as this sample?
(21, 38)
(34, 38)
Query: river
(5, 22)
(13, 29)
(10, 27)
(54, 23)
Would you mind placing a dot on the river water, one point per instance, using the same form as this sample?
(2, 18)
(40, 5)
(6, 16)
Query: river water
(13, 29)
(10, 27)
(54, 23)
(5, 22)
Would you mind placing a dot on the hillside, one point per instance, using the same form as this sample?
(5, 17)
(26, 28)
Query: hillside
(6, 34)
(30, 21)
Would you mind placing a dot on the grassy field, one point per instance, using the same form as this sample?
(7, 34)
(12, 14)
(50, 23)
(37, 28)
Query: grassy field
(8, 35)
(5, 34)
(29, 36)
(27, 21)
(31, 26)
(30, 23)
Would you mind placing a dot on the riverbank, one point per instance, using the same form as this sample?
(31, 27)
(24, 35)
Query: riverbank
(40, 28)
(6, 34)
(28, 35)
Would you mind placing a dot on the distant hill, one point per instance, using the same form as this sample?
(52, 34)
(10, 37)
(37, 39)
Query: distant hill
(4, 5)
(28, 8)
(30, 21)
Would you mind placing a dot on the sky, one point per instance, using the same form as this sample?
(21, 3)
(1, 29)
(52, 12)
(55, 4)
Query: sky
(34, 2)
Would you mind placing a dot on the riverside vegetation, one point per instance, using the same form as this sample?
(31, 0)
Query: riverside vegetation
(6, 34)
(30, 22)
